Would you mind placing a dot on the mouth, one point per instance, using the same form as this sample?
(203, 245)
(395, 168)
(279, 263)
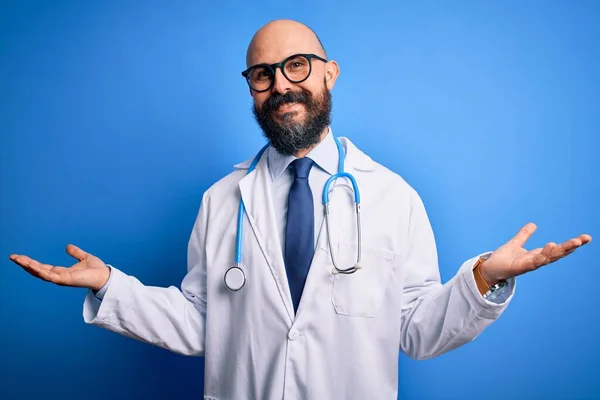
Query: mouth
(288, 107)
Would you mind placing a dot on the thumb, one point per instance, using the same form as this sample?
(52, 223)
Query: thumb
(76, 252)
(524, 234)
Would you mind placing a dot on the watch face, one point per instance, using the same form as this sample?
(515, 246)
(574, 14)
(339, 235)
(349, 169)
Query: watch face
(495, 290)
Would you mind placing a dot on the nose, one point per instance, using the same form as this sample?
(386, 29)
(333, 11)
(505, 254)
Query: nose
(281, 84)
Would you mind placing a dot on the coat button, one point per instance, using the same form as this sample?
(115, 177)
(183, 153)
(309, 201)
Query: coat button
(293, 334)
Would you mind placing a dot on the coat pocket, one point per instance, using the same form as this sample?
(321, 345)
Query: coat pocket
(361, 294)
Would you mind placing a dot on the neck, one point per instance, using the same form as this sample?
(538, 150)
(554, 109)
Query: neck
(302, 153)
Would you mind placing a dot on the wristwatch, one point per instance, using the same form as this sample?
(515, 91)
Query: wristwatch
(494, 290)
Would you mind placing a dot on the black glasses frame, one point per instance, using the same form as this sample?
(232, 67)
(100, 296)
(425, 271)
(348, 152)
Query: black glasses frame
(281, 65)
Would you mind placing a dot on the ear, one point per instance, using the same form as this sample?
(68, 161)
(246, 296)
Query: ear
(332, 71)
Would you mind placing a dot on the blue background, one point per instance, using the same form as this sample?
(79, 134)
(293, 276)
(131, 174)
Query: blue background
(116, 116)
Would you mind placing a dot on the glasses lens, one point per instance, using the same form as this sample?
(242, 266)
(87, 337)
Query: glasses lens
(260, 78)
(297, 68)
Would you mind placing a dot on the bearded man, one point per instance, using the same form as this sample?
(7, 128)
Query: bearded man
(288, 298)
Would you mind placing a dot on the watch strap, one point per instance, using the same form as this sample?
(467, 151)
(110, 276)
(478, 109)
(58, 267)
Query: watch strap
(484, 288)
(482, 285)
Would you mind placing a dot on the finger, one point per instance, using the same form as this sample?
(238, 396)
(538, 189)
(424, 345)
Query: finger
(20, 260)
(539, 260)
(47, 267)
(548, 249)
(524, 234)
(76, 252)
(26, 262)
(571, 244)
(41, 271)
(585, 239)
(553, 252)
(539, 257)
(567, 248)
(33, 267)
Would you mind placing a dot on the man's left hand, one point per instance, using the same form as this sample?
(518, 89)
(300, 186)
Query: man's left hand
(511, 259)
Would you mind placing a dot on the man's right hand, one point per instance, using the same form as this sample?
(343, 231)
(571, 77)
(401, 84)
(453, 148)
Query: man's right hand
(90, 272)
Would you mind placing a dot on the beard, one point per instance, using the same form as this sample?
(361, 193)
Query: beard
(289, 136)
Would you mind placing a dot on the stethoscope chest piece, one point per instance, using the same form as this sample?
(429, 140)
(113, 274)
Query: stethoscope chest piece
(235, 279)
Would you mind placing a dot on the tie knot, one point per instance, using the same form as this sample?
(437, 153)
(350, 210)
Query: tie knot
(302, 167)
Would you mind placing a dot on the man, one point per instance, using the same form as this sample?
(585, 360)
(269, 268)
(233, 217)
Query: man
(287, 324)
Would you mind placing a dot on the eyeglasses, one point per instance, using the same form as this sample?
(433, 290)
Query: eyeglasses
(295, 68)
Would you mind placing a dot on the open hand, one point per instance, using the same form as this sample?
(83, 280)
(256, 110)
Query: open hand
(90, 272)
(511, 259)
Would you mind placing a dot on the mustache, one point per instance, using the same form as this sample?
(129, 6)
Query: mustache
(276, 100)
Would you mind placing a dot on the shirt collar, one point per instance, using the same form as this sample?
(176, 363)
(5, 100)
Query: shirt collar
(324, 154)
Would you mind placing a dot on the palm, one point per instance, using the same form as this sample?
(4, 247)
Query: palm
(88, 272)
(511, 255)
(512, 259)
(77, 273)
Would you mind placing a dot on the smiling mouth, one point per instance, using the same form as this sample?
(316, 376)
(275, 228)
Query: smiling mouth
(288, 107)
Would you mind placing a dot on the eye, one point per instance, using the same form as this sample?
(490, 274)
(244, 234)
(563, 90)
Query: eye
(297, 63)
(260, 74)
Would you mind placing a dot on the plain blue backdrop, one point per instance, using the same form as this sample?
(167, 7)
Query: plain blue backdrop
(116, 116)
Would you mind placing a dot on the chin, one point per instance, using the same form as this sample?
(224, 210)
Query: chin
(292, 116)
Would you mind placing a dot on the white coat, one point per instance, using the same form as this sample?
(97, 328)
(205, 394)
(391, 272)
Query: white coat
(344, 341)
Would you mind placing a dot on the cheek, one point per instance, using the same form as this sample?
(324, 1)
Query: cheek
(260, 99)
(310, 85)
(314, 89)
(315, 81)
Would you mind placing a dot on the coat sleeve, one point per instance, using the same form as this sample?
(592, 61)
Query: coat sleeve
(170, 318)
(437, 318)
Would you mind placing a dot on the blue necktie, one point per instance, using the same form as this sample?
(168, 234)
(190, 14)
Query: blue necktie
(299, 230)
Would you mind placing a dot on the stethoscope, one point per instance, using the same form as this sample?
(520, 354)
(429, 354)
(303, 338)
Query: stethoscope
(235, 278)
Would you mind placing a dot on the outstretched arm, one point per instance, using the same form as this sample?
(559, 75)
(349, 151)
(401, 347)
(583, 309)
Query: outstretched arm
(167, 317)
(437, 318)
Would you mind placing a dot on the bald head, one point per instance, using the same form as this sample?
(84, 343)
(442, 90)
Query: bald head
(281, 38)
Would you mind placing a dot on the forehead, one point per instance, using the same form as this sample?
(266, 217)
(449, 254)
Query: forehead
(272, 48)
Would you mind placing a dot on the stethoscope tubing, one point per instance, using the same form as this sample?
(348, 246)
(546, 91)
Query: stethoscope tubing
(326, 190)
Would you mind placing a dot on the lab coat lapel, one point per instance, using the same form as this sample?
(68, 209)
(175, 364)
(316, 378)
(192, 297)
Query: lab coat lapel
(256, 192)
